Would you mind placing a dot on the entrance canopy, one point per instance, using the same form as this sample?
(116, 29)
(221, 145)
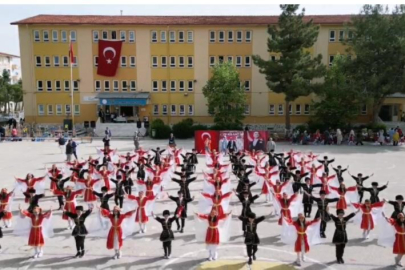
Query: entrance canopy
(123, 99)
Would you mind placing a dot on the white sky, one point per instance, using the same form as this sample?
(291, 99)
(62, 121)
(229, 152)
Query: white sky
(10, 13)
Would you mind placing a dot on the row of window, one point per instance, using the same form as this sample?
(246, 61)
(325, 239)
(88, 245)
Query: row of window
(238, 60)
(56, 61)
(174, 36)
(58, 109)
(339, 35)
(123, 62)
(125, 86)
(280, 109)
(63, 34)
(173, 109)
(126, 36)
(182, 86)
(57, 85)
(230, 36)
(183, 61)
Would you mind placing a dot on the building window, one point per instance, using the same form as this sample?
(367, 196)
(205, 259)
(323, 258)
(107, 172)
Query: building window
(154, 36)
(181, 86)
(40, 86)
(173, 109)
(221, 36)
(106, 86)
(114, 35)
(164, 86)
(45, 35)
(239, 36)
(63, 36)
(220, 59)
(105, 35)
(190, 86)
(331, 58)
(95, 36)
(56, 62)
(73, 36)
(54, 35)
(350, 35)
(212, 61)
(247, 110)
(123, 35)
(298, 109)
(172, 86)
(190, 36)
(230, 36)
(65, 61)
(154, 61)
(181, 36)
(238, 61)
(47, 61)
(155, 86)
(66, 85)
(341, 35)
(280, 109)
(38, 61)
(247, 61)
(131, 36)
(50, 109)
(132, 61)
(58, 109)
(290, 109)
(58, 86)
(123, 61)
(124, 86)
(247, 85)
(189, 61)
(164, 61)
(212, 36)
(332, 35)
(49, 86)
(115, 86)
(67, 109)
(181, 61)
(172, 61)
(75, 63)
(77, 109)
(133, 86)
(75, 85)
(364, 109)
(273, 58)
(97, 86)
(272, 109)
(36, 36)
(164, 109)
(96, 61)
(230, 59)
(182, 110)
(172, 36)
(41, 109)
(190, 110)
(163, 36)
(306, 109)
(155, 109)
(248, 36)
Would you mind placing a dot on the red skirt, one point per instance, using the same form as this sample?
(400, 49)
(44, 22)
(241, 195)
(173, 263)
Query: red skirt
(219, 209)
(399, 244)
(149, 193)
(69, 207)
(366, 222)
(89, 196)
(265, 189)
(36, 238)
(212, 237)
(141, 216)
(341, 204)
(177, 160)
(107, 183)
(298, 243)
(284, 214)
(180, 211)
(53, 186)
(110, 239)
(7, 215)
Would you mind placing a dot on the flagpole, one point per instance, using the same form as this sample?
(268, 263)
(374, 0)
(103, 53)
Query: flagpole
(72, 86)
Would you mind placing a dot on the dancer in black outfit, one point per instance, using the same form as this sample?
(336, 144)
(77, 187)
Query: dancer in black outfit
(119, 191)
(79, 232)
(104, 197)
(158, 154)
(374, 191)
(307, 199)
(339, 172)
(167, 235)
(181, 209)
(246, 202)
(398, 206)
(33, 199)
(60, 185)
(359, 181)
(251, 237)
(326, 163)
(322, 212)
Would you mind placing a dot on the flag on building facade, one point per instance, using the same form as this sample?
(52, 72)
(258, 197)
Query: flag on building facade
(109, 54)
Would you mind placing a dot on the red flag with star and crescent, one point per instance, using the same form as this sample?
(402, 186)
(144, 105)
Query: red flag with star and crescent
(109, 54)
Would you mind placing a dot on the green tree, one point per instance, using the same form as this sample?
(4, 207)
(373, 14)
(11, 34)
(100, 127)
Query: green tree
(292, 74)
(225, 94)
(9, 92)
(377, 39)
(339, 99)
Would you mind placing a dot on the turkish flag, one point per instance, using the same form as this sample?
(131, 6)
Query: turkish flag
(109, 53)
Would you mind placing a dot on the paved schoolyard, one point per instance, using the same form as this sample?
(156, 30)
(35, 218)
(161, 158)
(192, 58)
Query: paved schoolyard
(145, 251)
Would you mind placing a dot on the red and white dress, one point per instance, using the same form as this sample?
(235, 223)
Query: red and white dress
(346, 195)
(314, 171)
(115, 234)
(301, 234)
(36, 235)
(370, 215)
(144, 208)
(209, 202)
(33, 183)
(285, 208)
(70, 197)
(53, 173)
(89, 187)
(212, 236)
(5, 205)
(105, 175)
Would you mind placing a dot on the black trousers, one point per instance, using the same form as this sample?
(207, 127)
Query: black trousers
(244, 224)
(80, 243)
(74, 153)
(119, 201)
(251, 250)
(167, 247)
(307, 209)
(359, 142)
(340, 249)
(183, 223)
(323, 226)
(60, 200)
(361, 193)
(128, 190)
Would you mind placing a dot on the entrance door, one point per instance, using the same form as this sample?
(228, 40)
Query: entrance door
(127, 111)
(386, 113)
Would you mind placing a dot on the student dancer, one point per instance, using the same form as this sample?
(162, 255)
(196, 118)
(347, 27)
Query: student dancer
(158, 153)
(285, 203)
(325, 161)
(359, 181)
(393, 235)
(181, 209)
(184, 183)
(143, 209)
(5, 199)
(89, 184)
(398, 206)
(53, 172)
(30, 182)
(374, 191)
(79, 232)
(104, 197)
(33, 199)
(246, 203)
(346, 195)
(60, 185)
(369, 217)
(307, 200)
(167, 235)
(119, 191)
(70, 206)
(251, 238)
(218, 201)
(339, 172)
(322, 212)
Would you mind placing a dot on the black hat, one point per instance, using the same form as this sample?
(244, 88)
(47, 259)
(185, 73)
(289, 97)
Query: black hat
(399, 198)
(340, 211)
(307, 179)
(325, 157)
(251, 215)
(104, 189)
(322, 192)
(79, 208)
(119, 176)
(126, 167)
(96, 162)
(374, 184)
(166, 213)
(179, 192)
(79, 166)
(272, 150)
(31, 190)
(59, 176)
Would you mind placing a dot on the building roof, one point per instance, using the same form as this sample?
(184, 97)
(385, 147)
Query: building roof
(173, 20)
(9, 55)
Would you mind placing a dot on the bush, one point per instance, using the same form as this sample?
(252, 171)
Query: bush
(183, 129)
(377, 127)
(301, 128)
(199, 127)
(157, 122)
(229, 126)
(162, 131)
(188, 121)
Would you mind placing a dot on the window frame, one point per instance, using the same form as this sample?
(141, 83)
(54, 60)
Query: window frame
(155, 62)
(247, 89)
(155, 89)
(131, 83)
(280, 112)
(172, 65)
(96, 39)
(341, 37)
(190, 89)
(181, 89)
(246, 62)
(188, 36)
(240, 62)
(75, 85)
(107, 88)
(173, 106)
(239, 40)
(213, 39)
(123, 61)
(272, 112)
(65, 63)
(131, 40)
(47, 61)
(153, 33)
(219, 36)
(132, 64)
(95, 86)
(188, 61)
(331, 59)
(58, 88)
(123, 37)
(174, 36)
(212, 61)
(48, 85)
(63, 36)
(230, 36)
(58, 109)
(155, 109)
(124, 86)
(229, 59)
(181, 40)
(66, 82)
(246, 112)
(163, 63)
(76, 112)
(184, 109)
(57, 36)
(116, 86)
(164, 85)
(104, 35)
(43, 36)
(332, 39)
(73, 33)
(182, 59)
(164, 106)
(116, 35)
(68, 111)
(307, 112)
(38, 63)
(163, 33)
(40, 88)
(248, 39)
(37, 36)
(298, 109)
(173, 86)
(49, 112)
(95, 61)
(188, 109)
(56, 63)
(41, 112)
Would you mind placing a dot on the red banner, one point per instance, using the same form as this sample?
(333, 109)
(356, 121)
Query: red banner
(256, 140)
(109, 55)
(228, 137)
(206, 140)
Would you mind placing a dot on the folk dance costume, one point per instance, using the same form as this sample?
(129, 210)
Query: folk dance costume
(340, 235)
(30, 182)
(79, 232)
(89, 186)
(393, 235)
(217, 201)
(346, 195)
(370, 215)
(359, 181)
(302, 234)
(285, 203)
(126, 177)
(60, 185)
(322, 212)
(267, 177)
(374, 191)
(192, 160)
(315, 172)
(150, 187)
(167, 235)
(339, 172)
(181, 210)
(326, 182)
(218, 185)
(325, 162)
(140, 174)
(33, 199)
(307, 200)
(184, 183)
(104, 197)
(398, 206)
(252, 239)
(105, 175)
(297, 177)
(119, 191)
(53, 172)
(158, 153)
(5, 209)
(246, 202)
(144, 206)
(70, 206)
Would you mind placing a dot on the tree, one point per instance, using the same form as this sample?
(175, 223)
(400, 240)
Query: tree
(340, 100)
(9, 92)
(376, 38)
(291, 75)
(225, 94)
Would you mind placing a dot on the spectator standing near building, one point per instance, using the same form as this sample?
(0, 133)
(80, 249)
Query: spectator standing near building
(106, 142)
(61, 142)
(395, 138)
(271, 145)
(107, 132)
(69, 151)
(14, 134)
(74, 146)
(136, 140)
(172, 141)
